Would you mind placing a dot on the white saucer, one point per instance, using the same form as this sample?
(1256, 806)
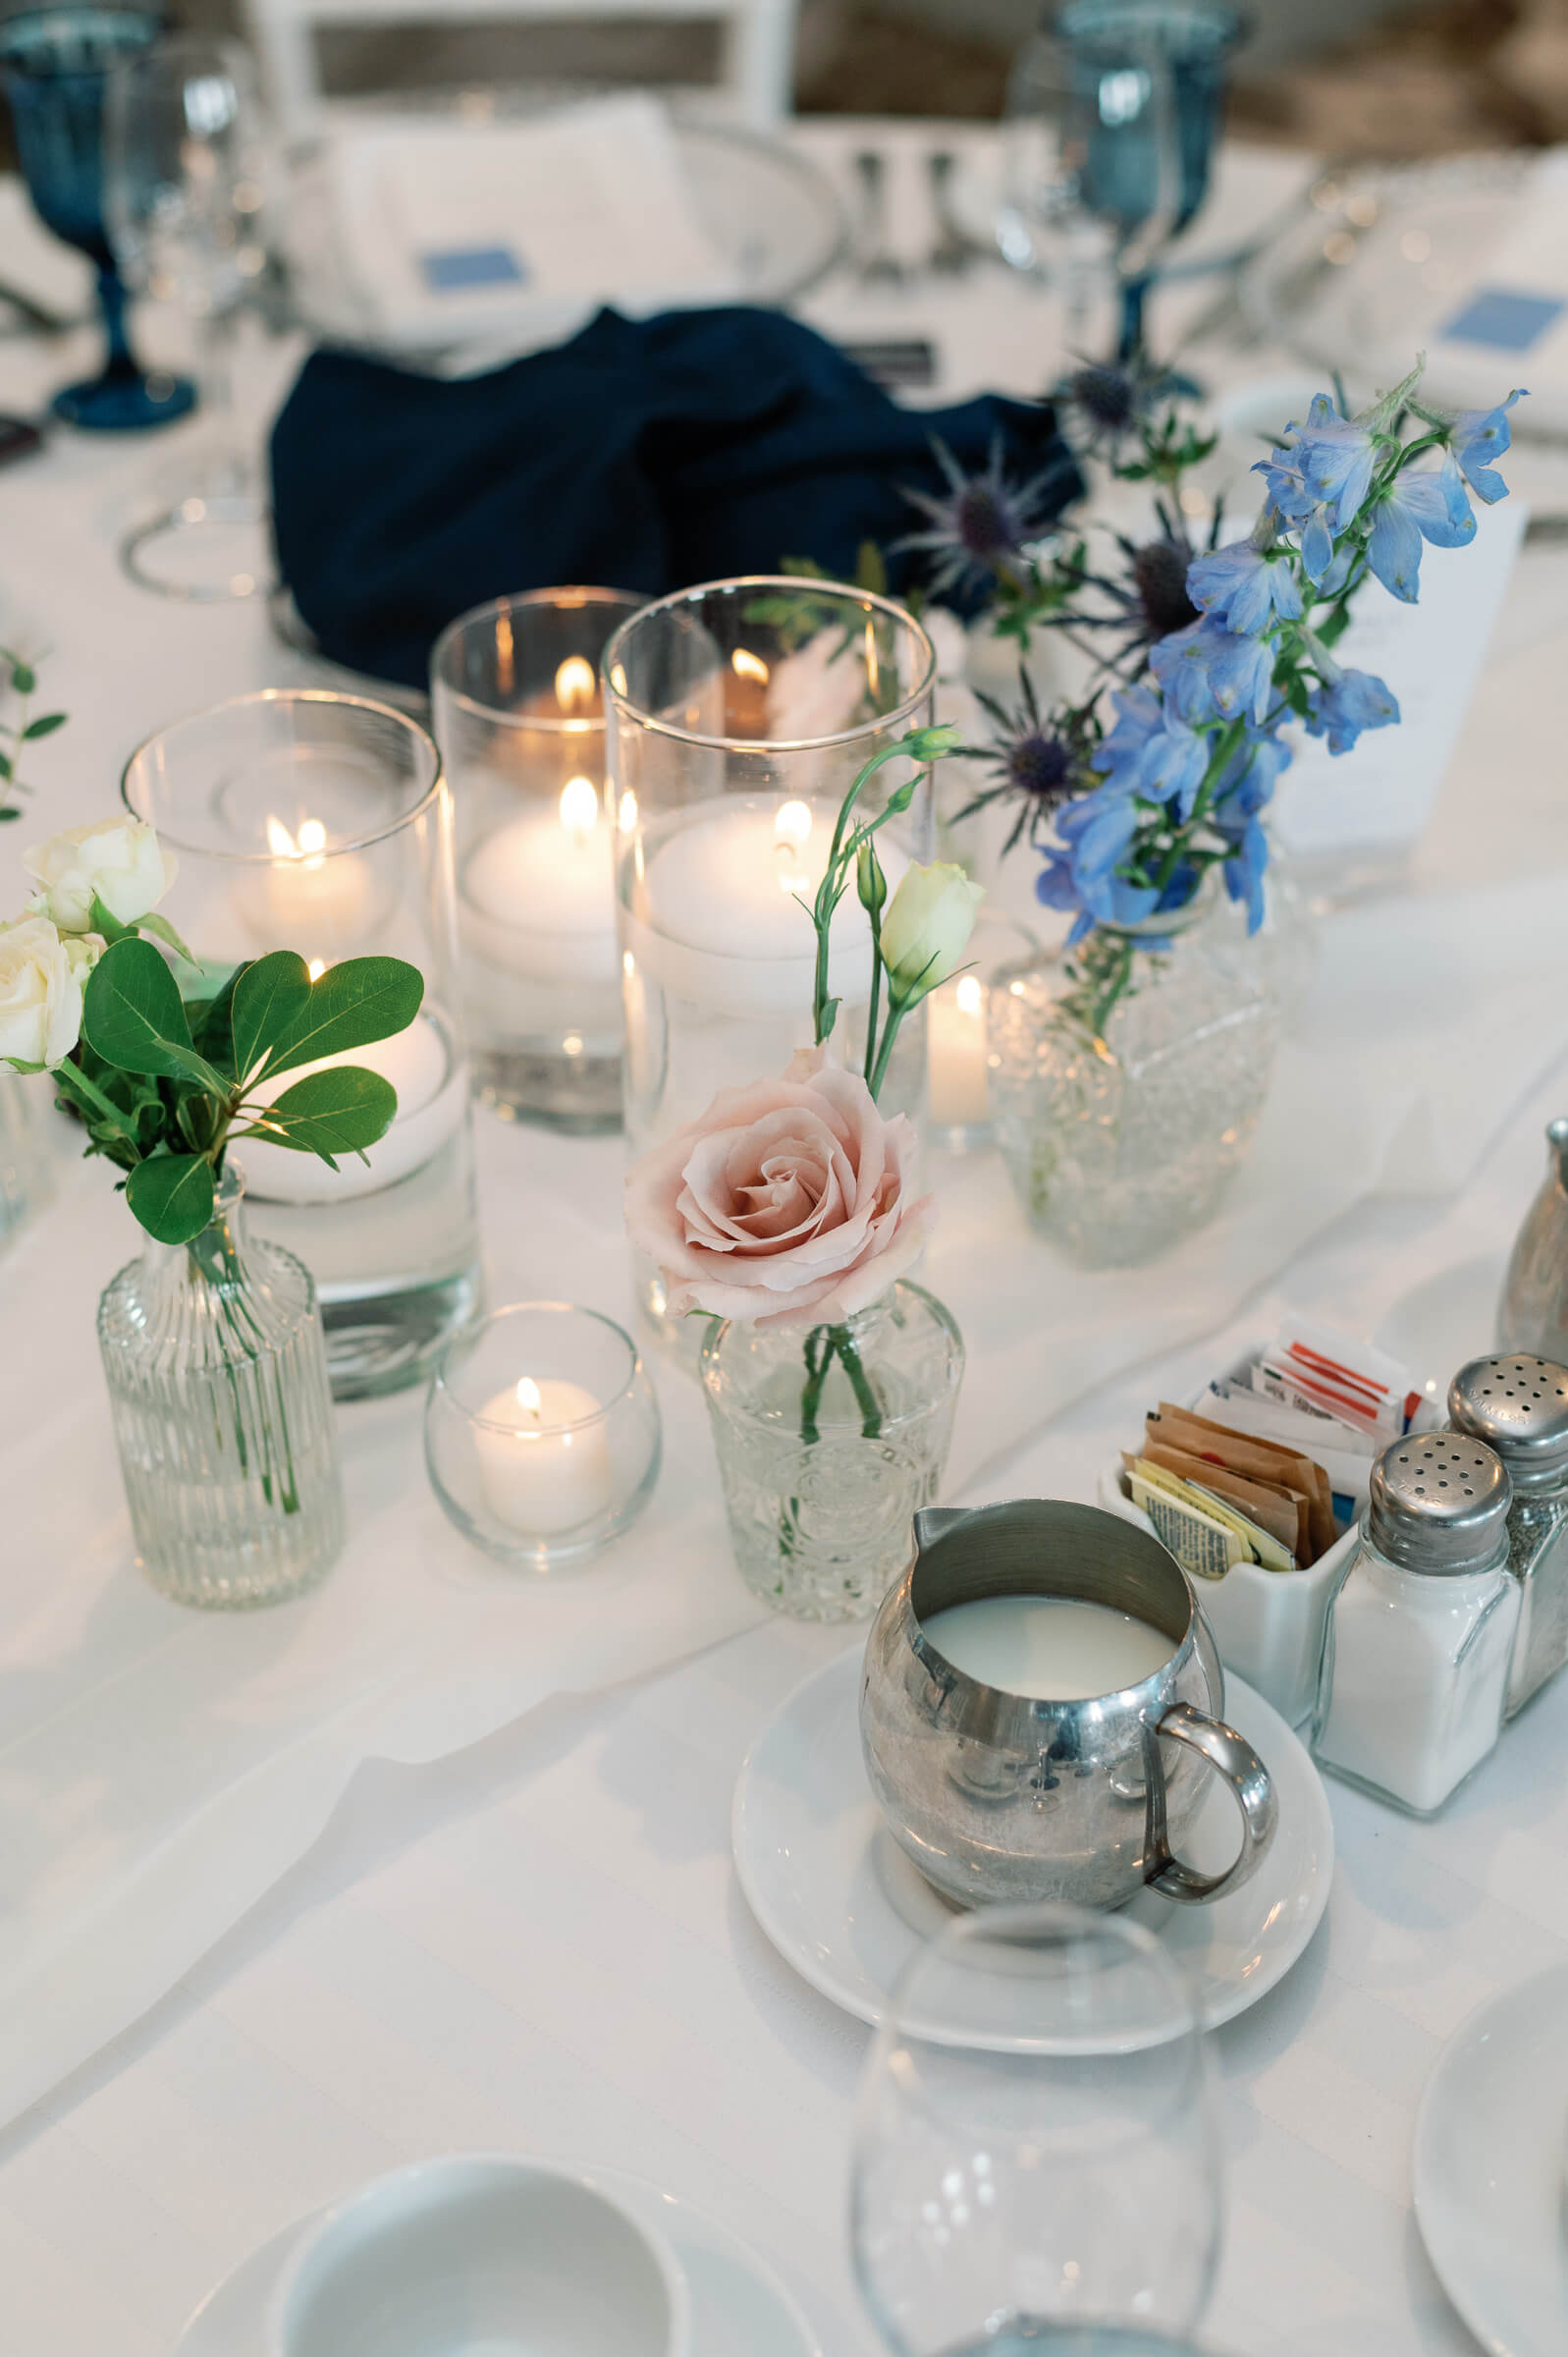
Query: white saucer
(736, 2303)
(843, 1905)
(1491, 2169)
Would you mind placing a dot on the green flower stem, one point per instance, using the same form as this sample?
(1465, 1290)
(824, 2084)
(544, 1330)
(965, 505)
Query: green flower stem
(75, 1082)
(871, 1081)
(819, 1358)
(843, 1342)
(898, 1008)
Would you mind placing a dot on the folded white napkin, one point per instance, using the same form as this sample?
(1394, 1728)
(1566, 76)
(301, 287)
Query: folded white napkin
(455, 229)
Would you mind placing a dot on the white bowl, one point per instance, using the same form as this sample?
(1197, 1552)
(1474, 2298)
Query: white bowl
(479, 2252)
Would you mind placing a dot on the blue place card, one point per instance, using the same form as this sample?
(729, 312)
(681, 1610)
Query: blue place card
(1502, 319)
(472, 266)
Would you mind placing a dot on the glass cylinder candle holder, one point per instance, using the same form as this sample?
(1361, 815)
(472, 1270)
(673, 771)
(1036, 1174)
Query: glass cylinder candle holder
(542, 1433)
(322, 824)
(518, 716)
(738, 716)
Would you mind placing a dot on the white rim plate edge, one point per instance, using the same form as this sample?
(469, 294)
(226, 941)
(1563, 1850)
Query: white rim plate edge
(1223, 1998)
(227, 2321)
(1472, 2288)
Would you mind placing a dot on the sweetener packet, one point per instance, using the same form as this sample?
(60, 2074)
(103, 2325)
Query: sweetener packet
(1360, 1385)
(1201, 1542)
(1289, 1470)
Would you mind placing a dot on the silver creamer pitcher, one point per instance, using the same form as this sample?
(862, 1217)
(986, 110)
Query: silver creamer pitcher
(999, 1797)
(1532, 1315)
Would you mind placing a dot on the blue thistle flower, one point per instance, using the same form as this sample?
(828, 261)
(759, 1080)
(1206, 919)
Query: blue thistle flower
(980, 531)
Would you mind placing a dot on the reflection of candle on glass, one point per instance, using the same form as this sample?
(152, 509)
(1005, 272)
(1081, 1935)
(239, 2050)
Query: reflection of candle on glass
(544, 882)
(955, 1068)
(746, 694)
(548, 1470)
(729, 886)
(322, 896)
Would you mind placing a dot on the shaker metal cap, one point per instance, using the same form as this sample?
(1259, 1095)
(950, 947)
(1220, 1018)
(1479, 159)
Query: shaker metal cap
(1440, 1503)
(1519, 1406)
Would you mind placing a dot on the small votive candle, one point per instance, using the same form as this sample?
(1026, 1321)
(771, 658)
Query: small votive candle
(542, 1433)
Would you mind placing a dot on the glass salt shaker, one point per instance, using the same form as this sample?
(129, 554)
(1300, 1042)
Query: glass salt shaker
(1420, 1640)
(1519, 1406)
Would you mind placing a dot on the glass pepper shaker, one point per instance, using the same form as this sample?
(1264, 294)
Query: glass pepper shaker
(1420, 1640)
(1519, 1406)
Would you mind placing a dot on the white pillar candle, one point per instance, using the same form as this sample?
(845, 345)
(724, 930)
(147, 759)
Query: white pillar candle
(538, 895)
(1048, 1648)
(718, 919)
(537, 1477)
(325, 899)
(432, 1094)
(956, 1069)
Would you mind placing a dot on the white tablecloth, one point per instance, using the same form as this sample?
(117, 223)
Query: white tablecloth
(537, 1939)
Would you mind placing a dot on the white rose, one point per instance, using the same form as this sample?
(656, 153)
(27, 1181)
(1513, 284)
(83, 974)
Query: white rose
(121, 860)
(42, 981)
(926, 929)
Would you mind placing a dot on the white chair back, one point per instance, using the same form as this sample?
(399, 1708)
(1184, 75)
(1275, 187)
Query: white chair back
(757, 39)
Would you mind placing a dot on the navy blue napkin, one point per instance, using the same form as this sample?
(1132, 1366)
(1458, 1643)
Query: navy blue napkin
(644, 454)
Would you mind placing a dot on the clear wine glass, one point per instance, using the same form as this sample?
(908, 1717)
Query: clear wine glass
(1112, 114)
(55, 64)
(186, 171)
(1036, 2160)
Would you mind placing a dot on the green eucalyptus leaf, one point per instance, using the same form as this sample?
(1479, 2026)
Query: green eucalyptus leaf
(351, 1004)
(160, 925)
(269, 998)
(44, 726)
(172, 1196)
(24, 679)
(8, 810)
(341, 1111)
(132, 1017)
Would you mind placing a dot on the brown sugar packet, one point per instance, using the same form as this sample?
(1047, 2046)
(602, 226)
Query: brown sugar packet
(1243, 1452)
(1273, 1508)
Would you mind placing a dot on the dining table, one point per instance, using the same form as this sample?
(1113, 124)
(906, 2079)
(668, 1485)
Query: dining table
(440, 1857)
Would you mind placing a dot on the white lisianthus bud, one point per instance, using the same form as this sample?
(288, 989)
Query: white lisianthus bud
(927, 927)
(42, 981)
(121, 860)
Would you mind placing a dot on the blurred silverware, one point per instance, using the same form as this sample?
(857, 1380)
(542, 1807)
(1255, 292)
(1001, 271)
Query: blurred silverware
(953, 253)
(895, 360)
(877, 265)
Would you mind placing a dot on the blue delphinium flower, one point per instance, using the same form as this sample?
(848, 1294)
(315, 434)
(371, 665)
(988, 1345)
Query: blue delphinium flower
(1352, 700)
(1417, 507)
(1318, 476)
(1476, 437)
(1244, 789)
(1094, 835)
(982, 526)
(1244, 587)
(1151, 752)
(1207, 671)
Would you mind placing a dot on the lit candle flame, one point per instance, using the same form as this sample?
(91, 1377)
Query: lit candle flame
(618, 678)
(316, 967)
(528, 1397)
(747, 666)
(579, 807)
(791, 826)
(308, 845)
(574, 685)
(628, 811)
(970, 994)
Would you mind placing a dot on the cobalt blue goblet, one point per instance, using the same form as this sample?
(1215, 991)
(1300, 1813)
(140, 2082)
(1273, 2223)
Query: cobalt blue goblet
(54, 65)
(1151, 78)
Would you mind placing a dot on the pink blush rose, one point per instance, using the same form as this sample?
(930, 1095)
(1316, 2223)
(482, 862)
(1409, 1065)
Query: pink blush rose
(789, 1203)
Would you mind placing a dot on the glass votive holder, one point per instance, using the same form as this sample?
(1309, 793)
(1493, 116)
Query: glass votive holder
(958, 1052)
(518, 715)
(542, 1435)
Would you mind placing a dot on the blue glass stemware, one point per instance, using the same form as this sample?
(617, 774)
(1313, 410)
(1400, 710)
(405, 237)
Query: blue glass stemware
(54, 65)
(1151, 75)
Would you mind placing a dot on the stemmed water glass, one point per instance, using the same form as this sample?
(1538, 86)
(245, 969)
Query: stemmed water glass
(1036, 2161)
(55, 64)
(1110, 121)
(185, 167)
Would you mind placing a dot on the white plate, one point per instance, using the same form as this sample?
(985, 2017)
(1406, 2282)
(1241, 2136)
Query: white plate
(843, 1905)
(736, 2303)
(1491, 2152)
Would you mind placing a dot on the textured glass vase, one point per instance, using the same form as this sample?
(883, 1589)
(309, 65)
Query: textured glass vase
(830, 1438)
(217, 1372)
(1127, 1077)
(26, 1181)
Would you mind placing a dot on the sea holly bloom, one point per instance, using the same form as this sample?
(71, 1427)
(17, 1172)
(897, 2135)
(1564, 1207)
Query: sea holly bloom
(1207, 671)
(1417, 507)
(1346, 705)
(1245, 588)
(1476, 437)
(979, 532)
(1104, 404)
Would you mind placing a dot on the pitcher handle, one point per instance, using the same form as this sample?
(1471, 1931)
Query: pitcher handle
(1249, 1779)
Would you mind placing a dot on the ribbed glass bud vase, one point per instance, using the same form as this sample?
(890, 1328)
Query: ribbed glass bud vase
(217, 1372)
